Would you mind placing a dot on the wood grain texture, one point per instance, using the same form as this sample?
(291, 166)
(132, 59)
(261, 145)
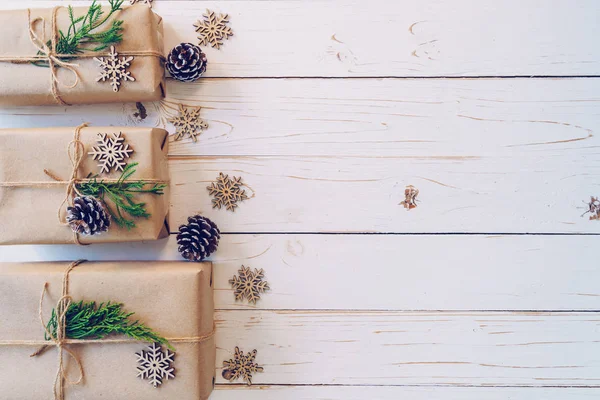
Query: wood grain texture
(363, 194)
(408, 348)
(389, 316)
(495, 156)
(388, 272)
(229, 392)
(390, 38)
(410, 118)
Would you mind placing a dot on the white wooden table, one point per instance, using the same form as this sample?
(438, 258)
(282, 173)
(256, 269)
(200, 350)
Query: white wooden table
(328, 110)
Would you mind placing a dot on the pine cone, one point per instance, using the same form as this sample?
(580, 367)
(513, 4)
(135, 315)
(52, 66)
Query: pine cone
(87, 216)
(198, 239)
(186, 62)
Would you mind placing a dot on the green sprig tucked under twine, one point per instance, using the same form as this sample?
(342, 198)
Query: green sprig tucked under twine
(90, 321)
(82, 35)
(121, 194)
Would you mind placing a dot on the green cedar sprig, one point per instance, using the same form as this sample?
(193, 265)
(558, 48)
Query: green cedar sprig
(82, 34)
(90, 321)
(121, 194)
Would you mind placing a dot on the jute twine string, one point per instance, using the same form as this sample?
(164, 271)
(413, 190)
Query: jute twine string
(76, 153)
(59, 339)
(48, 53)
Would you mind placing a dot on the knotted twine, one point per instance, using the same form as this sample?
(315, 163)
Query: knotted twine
(49, 54)
(59, 340)
(76, 153)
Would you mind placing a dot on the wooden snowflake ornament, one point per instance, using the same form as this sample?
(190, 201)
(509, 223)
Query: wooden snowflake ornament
(111, 152)
(155, 365)
(227, 192)
(114, 69)
(213, 29)
(241, 366)
(249, 285)
(188, 123)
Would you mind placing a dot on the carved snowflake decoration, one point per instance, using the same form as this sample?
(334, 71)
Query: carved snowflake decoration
(155, 365)
(111, 152)
(114, 69)
(227, 192)
(213, 29)
(188, 122)
(149, 2)
(241, 365)
(248, 284)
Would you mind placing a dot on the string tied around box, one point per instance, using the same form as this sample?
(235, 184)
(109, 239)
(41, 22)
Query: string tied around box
(76, 153)
(60, 341)
(47, 52)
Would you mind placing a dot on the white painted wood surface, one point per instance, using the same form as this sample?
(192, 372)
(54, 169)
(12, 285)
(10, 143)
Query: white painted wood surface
(417, 348)
(394, 393)
(354, 316)
(390, 272)
(346, 38)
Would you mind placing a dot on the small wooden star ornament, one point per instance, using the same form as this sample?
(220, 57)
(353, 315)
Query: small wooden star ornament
(248, 284)
(188, 122)
(241, 366)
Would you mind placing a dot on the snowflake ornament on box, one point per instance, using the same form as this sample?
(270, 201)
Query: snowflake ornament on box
(114, 69)
(188, 122)
(227, 192)
(241, 365)
(111, 152)
(155, 365)
(149, 2)
(213, 29)
(249, 284)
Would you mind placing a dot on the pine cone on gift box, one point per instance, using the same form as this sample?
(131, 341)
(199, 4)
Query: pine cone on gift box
(186, 62)
(198, 239)
(88, 216)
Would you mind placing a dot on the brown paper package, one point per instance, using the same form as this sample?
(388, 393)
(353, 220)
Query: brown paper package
(175, 299)
(29, 214)
(25, 84)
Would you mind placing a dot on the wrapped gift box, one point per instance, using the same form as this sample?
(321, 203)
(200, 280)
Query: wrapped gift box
(28, 209)
(22, 83)
(175, 299)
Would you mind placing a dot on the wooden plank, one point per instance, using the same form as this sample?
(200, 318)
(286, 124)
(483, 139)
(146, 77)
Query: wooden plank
(390, 38)
(395, 348)
(540, 193)
(438, 272)
(229, 392)
(495, 118)
(491, 118)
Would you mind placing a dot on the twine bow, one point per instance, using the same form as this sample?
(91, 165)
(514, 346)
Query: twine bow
(76, 153)
(62, 306)
(49, 53)
(60, 340)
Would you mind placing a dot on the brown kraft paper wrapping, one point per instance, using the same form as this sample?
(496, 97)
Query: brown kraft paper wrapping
(175, 299)
(24, 84)
(29, 213)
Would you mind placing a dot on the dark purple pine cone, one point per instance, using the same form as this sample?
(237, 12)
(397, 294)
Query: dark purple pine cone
(88, 216)
(198, 239)
(186, 62)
